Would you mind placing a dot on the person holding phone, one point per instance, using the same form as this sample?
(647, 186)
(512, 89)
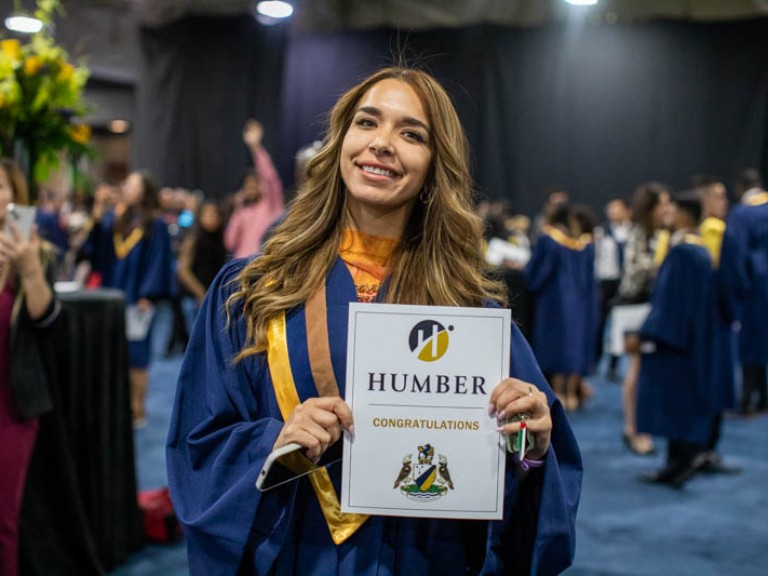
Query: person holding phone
(385, 215)
(28, 310)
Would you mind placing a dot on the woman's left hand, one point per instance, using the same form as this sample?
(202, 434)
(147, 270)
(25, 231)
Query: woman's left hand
(513, 396)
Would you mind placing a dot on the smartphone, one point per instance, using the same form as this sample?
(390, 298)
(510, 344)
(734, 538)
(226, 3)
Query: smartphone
(23, 217)
(288, 463)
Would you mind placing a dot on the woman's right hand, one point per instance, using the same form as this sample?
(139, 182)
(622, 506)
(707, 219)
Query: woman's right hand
(100, 202)
(316, 424)
(632, 343)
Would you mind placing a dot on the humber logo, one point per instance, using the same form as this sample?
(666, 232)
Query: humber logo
(429, 340)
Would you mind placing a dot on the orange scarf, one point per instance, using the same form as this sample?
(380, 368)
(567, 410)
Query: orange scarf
(367, 258)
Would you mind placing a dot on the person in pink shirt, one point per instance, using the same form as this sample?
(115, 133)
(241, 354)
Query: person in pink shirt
(258, 203)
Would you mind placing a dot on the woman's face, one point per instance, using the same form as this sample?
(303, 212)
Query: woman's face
(663, 212)
(210, 219)
(667, 211)
(386, 152)
(715, 201)
(6, 194)
(133, 189)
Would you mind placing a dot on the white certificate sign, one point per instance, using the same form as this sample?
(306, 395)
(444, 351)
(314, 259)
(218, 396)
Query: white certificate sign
(419, 380)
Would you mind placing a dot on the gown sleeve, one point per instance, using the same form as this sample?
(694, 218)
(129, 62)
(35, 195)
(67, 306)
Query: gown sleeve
(98, 245)
(156, 278)
(538, 534)
(733, 278)
(541, 265)
(221, 431)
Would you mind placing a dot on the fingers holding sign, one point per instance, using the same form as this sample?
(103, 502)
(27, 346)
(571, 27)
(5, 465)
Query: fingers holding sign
(514, 403)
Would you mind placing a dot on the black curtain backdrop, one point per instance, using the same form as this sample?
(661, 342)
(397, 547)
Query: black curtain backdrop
(595, 108)
(203, 78)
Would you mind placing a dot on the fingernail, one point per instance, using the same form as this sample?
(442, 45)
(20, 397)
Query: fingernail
(491, 409)
(502, 415)
(500, 429)
(351, 432)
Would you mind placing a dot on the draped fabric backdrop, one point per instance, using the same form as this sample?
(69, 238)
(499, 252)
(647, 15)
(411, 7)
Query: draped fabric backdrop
(595, 108)
(202, 79)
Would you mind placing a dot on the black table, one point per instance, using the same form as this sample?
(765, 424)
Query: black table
(80, 515)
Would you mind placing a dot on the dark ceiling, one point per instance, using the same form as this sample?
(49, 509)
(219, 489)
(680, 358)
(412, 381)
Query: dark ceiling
(104, 30)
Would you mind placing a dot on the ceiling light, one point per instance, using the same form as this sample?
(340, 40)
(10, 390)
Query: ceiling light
(23, 24)
(119, 126)
(274, 9)
(582, 2)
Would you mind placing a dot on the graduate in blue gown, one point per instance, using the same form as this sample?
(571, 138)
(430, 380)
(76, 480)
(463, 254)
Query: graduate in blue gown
(266, 363)
(744, 275)
(131, 249)
(680, 393)
(714, 205)
(560, 275)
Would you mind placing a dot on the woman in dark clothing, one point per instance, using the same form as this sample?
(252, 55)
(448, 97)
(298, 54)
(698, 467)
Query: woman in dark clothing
(201, 256)
(27, 309)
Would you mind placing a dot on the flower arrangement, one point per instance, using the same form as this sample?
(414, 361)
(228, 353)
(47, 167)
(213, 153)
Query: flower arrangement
(41, 96)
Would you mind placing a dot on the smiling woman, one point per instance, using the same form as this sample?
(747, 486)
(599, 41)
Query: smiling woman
(29, 310)
(385, 215)
(394, 166)
(385, 157)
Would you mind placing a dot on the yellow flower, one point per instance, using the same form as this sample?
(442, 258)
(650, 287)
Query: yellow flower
(10, 93)
(32, 65)
(66, 71)
(80, 133)
(11, 47)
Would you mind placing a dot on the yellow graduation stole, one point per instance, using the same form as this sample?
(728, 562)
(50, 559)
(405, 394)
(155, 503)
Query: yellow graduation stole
(341, 526)
(564, 240)
(712, 230)
(694, 239)
(662, 247)
(758, 200)
(124, 245)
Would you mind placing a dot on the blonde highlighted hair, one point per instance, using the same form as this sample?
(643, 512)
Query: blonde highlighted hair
(439, 260)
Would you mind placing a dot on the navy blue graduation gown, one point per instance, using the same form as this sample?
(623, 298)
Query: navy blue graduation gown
(49, 227)
(563, 284)
(145, 272)
(678, 392)
(744, 275)
(722, 392)
(226, 420)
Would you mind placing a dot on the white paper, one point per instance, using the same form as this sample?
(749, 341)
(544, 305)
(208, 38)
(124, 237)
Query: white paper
(500, 250)
(419, 379)
(137, 322)
(67, 286)
(626, 318)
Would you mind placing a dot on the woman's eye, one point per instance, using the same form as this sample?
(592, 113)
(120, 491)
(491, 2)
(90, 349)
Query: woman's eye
(415, 136)
(365, 122)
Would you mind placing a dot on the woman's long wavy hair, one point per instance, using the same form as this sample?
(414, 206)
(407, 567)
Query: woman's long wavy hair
(17, 179)
(439, 259)
(644, 201)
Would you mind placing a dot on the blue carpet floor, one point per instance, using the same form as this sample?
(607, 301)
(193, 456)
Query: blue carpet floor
(716, 525)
